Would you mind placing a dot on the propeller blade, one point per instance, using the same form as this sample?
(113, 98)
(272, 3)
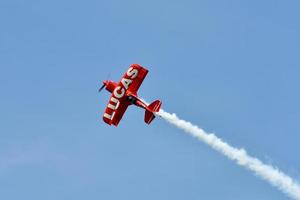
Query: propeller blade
(101, 88)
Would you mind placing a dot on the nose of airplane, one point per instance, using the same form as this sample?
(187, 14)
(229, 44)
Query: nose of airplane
(105, 82)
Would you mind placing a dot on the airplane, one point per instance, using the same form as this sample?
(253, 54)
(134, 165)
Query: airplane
(124, 94)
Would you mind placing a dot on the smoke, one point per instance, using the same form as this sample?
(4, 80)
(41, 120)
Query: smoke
(267, 172)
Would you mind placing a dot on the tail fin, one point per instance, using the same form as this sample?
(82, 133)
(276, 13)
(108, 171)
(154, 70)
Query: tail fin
(151, 109)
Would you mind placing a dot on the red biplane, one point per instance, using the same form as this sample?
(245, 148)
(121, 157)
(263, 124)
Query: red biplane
(124, 94)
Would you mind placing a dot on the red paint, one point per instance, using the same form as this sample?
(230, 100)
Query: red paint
(124, 94)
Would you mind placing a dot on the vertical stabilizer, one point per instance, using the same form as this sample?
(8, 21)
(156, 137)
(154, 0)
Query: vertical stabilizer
(151, 109)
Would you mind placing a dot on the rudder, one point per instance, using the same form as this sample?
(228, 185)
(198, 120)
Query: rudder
(151, 109)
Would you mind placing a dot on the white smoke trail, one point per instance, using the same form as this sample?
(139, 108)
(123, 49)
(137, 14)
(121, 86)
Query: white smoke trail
(267, 172)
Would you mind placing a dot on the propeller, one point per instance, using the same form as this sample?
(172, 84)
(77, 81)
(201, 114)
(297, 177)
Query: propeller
(103, 86)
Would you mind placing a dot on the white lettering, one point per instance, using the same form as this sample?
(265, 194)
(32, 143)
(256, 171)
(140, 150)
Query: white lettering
(113, 115)
(119, 92)
(107, 116)
(132, 72)
(126, 82)
(114, 100)
(119, 95)
(111, 106)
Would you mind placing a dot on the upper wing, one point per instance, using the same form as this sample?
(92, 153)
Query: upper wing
(118, 103)
(115, 110)
(134, 77)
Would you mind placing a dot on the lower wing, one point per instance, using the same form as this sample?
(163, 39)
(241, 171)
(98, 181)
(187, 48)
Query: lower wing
(115, 111)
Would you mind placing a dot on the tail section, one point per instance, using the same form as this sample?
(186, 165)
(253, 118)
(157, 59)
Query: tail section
(151, 109)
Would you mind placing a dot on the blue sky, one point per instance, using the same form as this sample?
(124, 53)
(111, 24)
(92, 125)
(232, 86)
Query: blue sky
(231, 67)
